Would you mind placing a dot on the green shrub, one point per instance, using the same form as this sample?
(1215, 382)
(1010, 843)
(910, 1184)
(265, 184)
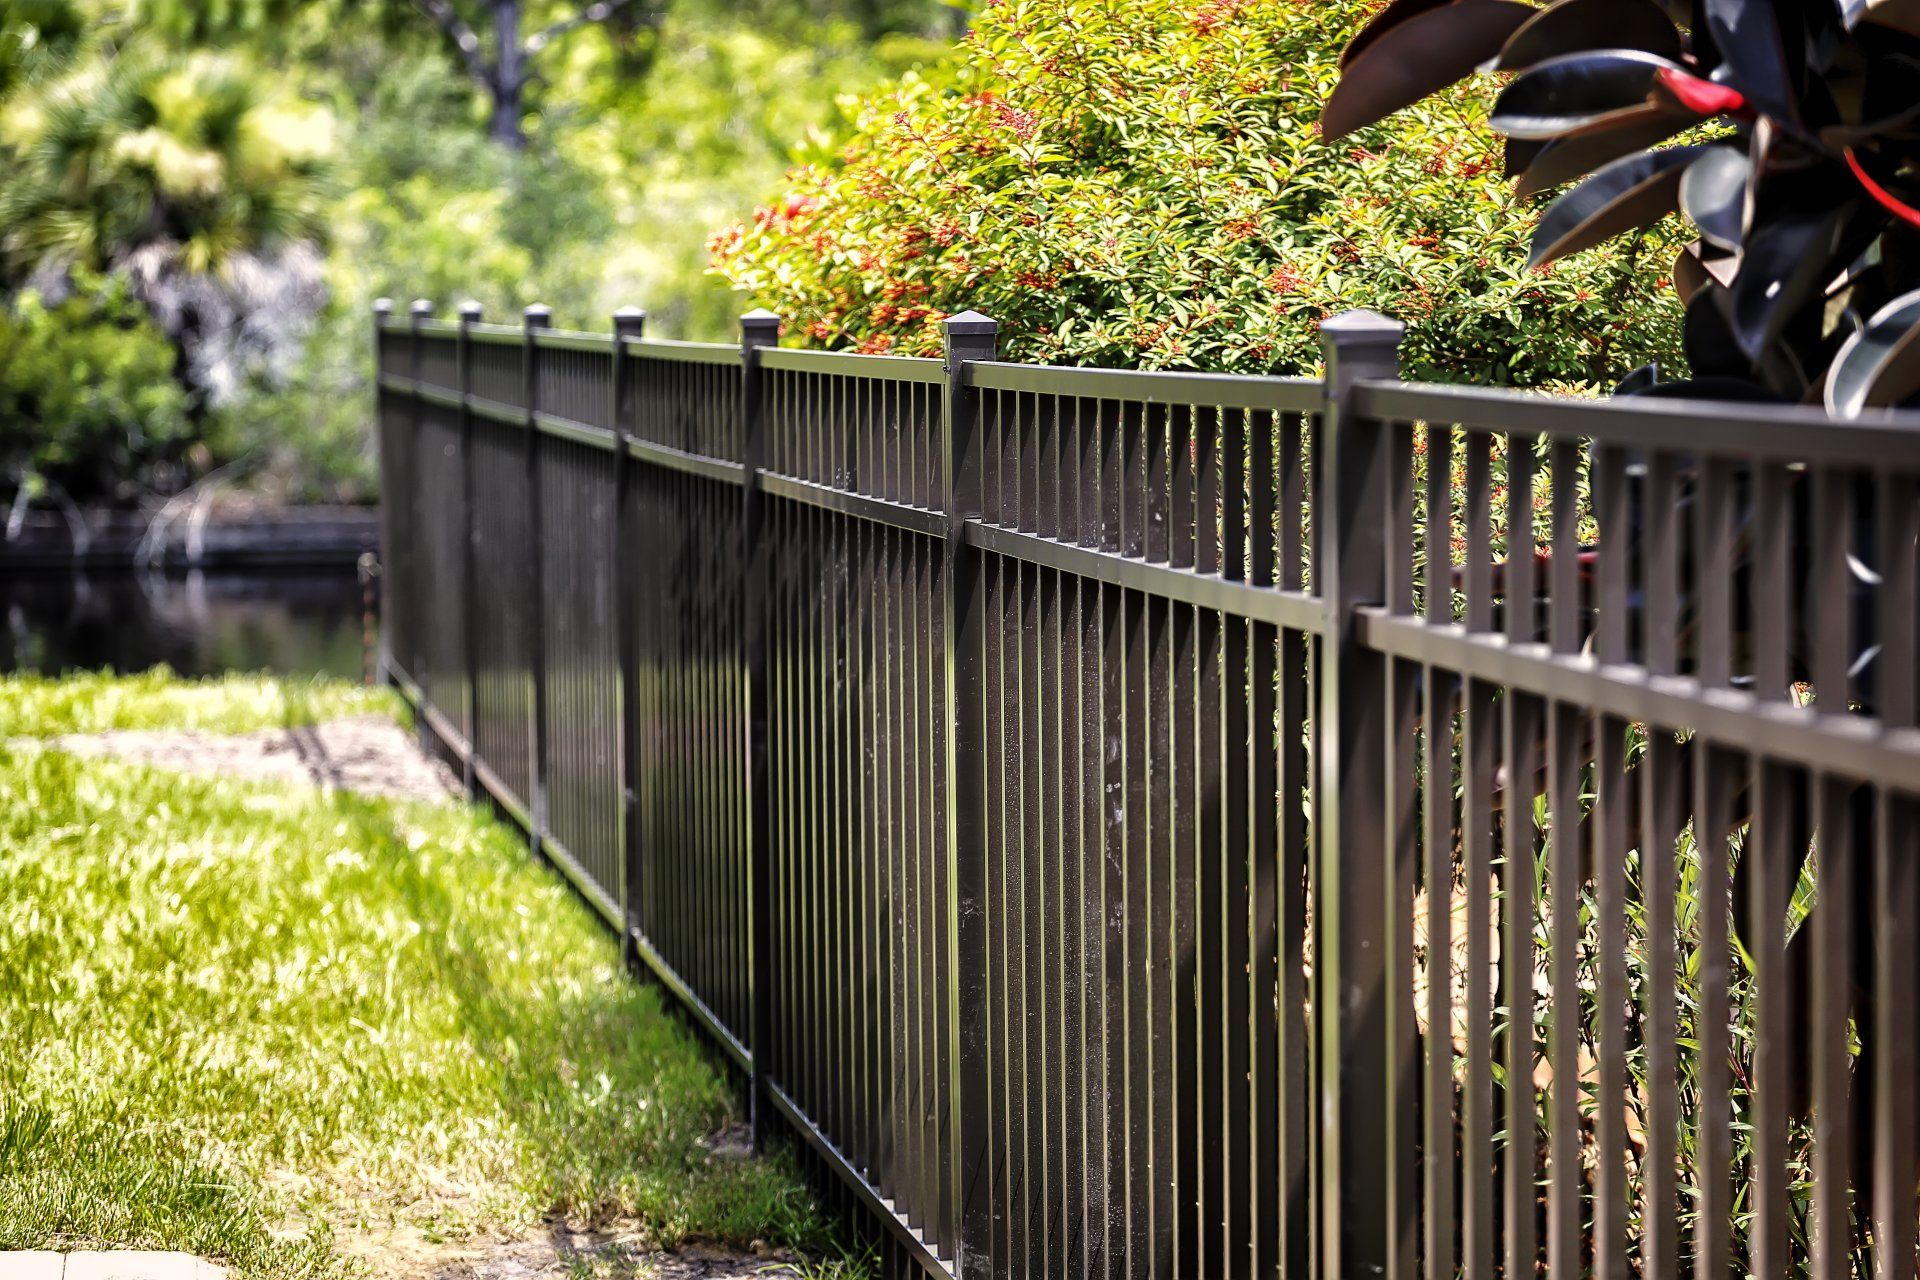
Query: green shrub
(88, 397)
(1144, 185)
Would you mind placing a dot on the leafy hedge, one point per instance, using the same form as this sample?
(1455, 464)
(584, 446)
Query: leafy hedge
(1144, 184)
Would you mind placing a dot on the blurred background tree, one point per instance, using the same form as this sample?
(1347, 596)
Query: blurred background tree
(244, 177)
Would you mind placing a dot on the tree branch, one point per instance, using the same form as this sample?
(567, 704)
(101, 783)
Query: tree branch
(599, 11)
(463, 36)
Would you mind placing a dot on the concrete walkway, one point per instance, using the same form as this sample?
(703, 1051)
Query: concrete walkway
(118, 1264)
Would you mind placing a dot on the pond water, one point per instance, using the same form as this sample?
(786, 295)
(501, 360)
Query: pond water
(301, 622)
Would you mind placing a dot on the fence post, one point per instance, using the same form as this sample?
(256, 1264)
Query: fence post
(1354, 884)
(758, 329)
(969, 338)
(628, 323)
(389, 509)
(534, 319)
(470, 314)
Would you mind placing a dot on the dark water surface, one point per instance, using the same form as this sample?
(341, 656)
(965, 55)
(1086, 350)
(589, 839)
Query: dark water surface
(291, 622)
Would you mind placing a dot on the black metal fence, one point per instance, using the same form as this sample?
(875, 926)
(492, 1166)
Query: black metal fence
(1158, 824)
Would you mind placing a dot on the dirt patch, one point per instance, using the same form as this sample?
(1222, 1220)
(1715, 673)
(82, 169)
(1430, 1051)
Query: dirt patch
(560, 1251)
(370, 755)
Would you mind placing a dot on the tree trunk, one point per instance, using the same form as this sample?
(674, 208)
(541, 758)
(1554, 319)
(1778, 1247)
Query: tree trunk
(509, 78)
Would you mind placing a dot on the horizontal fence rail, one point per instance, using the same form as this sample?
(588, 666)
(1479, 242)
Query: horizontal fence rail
(1177, 825)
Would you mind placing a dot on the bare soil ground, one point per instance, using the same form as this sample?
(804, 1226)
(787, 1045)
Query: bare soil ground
(367, 754)
(560, 1253)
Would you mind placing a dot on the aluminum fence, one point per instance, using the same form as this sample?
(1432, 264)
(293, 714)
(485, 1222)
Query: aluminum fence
(1165, 824)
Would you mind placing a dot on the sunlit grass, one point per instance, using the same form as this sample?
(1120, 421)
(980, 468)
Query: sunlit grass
(249, 1020)
(157, 699)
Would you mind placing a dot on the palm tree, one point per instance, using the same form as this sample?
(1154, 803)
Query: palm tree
(185, 175)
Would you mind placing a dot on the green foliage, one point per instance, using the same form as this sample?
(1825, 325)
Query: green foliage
(87, 393)
(1144, 185)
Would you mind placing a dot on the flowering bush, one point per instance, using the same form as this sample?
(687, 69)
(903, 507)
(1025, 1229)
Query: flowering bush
(1144, 184)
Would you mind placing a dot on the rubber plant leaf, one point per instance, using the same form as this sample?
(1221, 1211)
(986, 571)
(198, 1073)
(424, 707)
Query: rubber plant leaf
(1576, 90)
(1712, 350)
(1387, 19)
(1643, 379)
(1880, 364)
(1576, 154)
(1784, 264)
(1713, 195)
(1899, 15)
(1418, 57)
(1520, 154)
(1753, 52)
(1689, 273)
(1574, 26)
(1626, 194)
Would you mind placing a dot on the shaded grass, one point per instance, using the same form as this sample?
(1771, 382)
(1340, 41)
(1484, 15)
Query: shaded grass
(245, 1019)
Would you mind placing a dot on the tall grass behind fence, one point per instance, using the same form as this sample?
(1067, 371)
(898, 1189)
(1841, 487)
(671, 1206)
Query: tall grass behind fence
(1161, 824)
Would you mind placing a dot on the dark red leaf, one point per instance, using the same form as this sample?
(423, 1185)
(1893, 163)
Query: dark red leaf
(1712, 350)
(1879, 365)
(1573, 26)
(1689, 273)
(1898, 15)
(1786, 261)
(1417, 57)
(1713, 195)
(1753, 52)
(1576, 154)
(1520, 154)
(1384, 21)
(1576, 90)
(1627, 194)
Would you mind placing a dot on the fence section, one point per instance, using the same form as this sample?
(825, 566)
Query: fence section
(1142, 824)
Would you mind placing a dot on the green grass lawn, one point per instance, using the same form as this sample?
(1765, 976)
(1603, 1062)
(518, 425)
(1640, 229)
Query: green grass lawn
(254, 1022)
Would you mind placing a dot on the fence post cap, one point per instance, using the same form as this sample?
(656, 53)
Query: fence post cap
(969, 324)
(421, 308)
(630, 313)
(538, 316)
(471, 311)
(760, 328)
(383, 306)
(1362, 327)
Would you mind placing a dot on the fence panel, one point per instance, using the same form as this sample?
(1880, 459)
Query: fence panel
(1664, 704)
(859, 859)
(1262, 828)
